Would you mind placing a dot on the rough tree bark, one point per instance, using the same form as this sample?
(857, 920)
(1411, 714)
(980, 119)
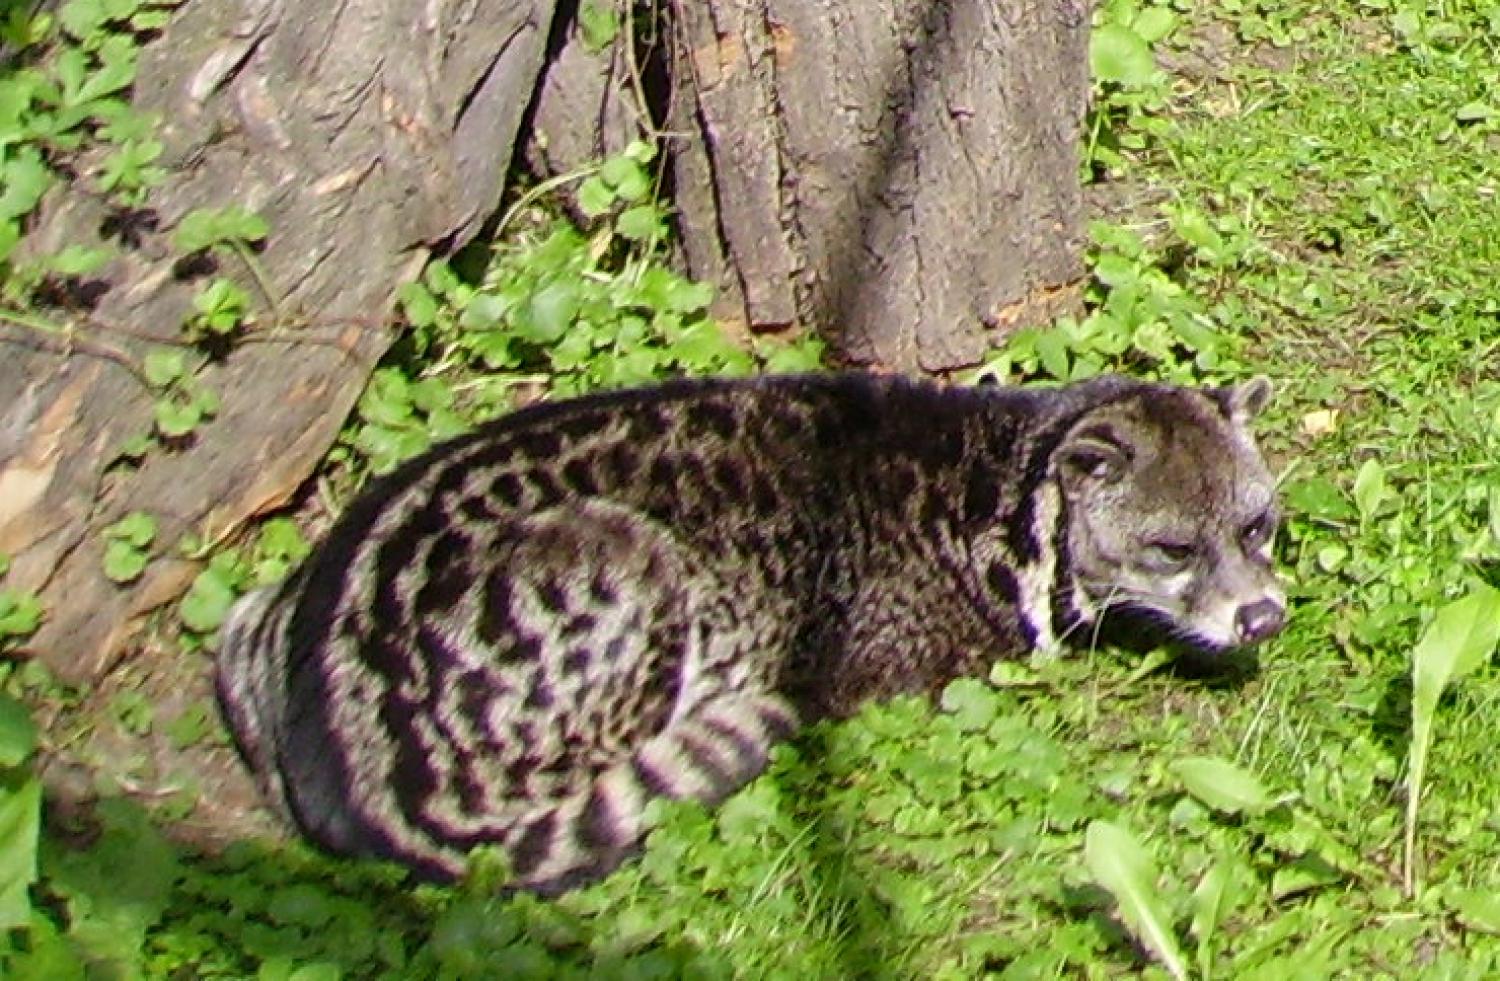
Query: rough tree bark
(900, 174)
(367, 133)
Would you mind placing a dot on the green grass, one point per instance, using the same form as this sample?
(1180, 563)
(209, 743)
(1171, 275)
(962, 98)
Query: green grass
(1332, 223)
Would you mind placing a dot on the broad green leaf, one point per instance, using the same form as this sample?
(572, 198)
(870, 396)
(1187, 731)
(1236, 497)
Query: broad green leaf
(208, 600)
(551, 312)
(1303, 874)
(484, 311)
(387, 400)
(78, 260)
(432, 394)
(206, 227)
(628, 178)
(82, 18)
(163, 366)
(17, 732)
(191, 726)
(1118, 54)
(1223, 786)
(1113, 269)
(640, 151)
(598, 22)
(1216, 896)
(115, 73)
(1199, 232)
(20, 821)
(1460, 638)
(10, 234)
(1154, 23)
(1319, 499)
(1331, 557)
(123, 562)
(1477, 909)
(1120, 864)
(641, 223)
(440, 278)
(1473, 112)
(973, 703)
(20, 614)
(302, 905)
(117, 889)
(49, 955)
(701, 346)
(206, 400)
(221, 296)
(150, 20)
(1370, 489)
(71, 67)
(595, 197)
(689, 297)
(281, 537)
(138, 528)
(1052, 352)
(23, 180)
(805, 356)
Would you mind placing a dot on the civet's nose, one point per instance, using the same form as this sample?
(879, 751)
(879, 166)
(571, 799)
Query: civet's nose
(1259, 620)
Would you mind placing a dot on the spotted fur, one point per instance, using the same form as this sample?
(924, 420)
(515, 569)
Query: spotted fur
(523, 636)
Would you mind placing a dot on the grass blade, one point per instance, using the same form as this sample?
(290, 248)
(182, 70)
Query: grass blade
(1120, 864)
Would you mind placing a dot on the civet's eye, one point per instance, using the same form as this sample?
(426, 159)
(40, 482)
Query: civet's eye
(1258, 532)
(1169, 555)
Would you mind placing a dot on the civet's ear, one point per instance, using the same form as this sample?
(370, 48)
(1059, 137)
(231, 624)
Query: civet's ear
(1244, 402)
(1096, 453)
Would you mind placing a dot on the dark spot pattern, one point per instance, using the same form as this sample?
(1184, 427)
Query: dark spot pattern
(981, 494)
(580, 477)
(494, 621)
(713, 417)
(553, 595)
(1002, 582)
(449, 574)
(729, 479)
(540, 695)
(507, 488)
(620, 464)
(600, 589)
(538, 444)
(580, 623)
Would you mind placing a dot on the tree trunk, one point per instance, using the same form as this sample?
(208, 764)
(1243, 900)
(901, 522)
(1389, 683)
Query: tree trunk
(900, 175)
(366, 133)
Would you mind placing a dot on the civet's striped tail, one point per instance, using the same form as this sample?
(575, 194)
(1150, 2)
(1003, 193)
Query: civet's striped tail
(251, 682)
(705, 756)
(553, 844)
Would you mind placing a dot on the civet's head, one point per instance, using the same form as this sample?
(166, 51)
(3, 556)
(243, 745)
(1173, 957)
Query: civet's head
(1171, 514)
